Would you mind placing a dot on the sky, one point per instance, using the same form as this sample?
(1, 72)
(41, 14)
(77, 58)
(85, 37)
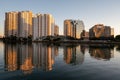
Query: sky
(91, 12)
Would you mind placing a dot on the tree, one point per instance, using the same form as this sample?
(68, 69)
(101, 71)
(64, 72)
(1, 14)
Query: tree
(117, 38)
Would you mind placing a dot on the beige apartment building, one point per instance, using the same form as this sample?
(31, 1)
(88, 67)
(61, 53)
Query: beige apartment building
(18, 24)
(25, 24)
(11, 24)
(43, 25)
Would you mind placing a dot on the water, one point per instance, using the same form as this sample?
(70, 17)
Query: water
(42, 61)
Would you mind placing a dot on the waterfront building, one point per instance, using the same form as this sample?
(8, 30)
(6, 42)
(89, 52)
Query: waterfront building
(18, 24)
(11, 24)
(112, 32)
(35, 27)
(101, 31)
(73, 28)
(67, 28)
(43, 25)
(56, 30)
(85, 35)
(25, 24)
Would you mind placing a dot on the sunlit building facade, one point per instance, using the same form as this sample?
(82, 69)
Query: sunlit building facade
(25, 24)
(73, 28)
(99, 30)
(112, 32)
(68, 28)
(11, 24)
(18, 24)
(43, 25)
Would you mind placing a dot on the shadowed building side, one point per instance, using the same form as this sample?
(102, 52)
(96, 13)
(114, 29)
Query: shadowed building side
(25, 24)
(43, 25)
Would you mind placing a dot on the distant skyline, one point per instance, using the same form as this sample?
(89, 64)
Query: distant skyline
(91, 12)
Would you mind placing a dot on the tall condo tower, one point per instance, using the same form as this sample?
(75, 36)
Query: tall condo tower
(43, 25)
(73, 28)
(25, 24)
(11, 24)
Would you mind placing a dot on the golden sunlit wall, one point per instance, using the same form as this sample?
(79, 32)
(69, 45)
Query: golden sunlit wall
(68, 28)
(24, 24)
(11, 24)
(100, 30)
(73, 28)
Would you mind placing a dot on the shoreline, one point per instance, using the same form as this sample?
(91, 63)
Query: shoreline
(80, 42)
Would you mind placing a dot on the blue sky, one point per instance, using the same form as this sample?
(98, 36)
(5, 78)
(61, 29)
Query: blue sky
(91, 12)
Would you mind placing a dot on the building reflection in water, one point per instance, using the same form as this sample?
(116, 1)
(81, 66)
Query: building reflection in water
(74, 55)
(25, 57)
(11, 57)
(101, 52)
(44, 56)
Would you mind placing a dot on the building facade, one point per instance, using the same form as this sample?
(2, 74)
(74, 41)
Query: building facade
(11, 24)
(18, 24)
(56, 30)
(68, 28)
(25, 24)
(43, 25)
(101, 31)
(84, 35)
(73, 28)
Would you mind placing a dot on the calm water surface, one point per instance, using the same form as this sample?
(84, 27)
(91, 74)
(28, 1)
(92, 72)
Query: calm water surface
(40, 61)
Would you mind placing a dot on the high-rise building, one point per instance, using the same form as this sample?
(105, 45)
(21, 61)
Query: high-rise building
(79, 28)
(112, 32)
(73, 28)
(35, 27)
(25, 24)
(56, 30)
(11, 24)
(43, 25)
(18, 24)
(99, 30)
(68, 28)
